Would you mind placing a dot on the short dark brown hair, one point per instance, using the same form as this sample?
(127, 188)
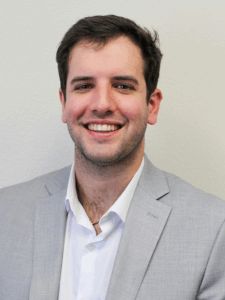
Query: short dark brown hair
(100, 30)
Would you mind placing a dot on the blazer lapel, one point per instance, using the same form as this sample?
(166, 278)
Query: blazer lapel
(49, 231)
(144, 225)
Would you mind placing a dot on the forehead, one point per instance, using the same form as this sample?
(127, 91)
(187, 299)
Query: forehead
(118, 55)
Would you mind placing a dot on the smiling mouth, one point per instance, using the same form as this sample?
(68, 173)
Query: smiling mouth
(102, 127)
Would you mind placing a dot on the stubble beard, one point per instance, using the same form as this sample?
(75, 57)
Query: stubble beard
(128, 151)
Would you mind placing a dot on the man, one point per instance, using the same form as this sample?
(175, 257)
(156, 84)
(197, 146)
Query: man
(113, 226)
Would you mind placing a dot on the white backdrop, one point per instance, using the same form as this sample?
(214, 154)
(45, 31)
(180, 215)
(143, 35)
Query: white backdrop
(188, 139)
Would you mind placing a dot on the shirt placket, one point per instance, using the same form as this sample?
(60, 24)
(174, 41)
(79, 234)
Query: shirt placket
(87, 271)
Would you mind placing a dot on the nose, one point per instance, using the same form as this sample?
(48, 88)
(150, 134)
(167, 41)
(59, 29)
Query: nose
(103, 102)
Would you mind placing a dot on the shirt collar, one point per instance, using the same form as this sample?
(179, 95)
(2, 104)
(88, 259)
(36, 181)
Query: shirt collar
(120, 207)
(72, 202)
(122, 204)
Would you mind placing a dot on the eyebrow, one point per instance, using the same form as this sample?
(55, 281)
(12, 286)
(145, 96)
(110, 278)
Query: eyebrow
(87, 78)
(81, 78)
(126, 78)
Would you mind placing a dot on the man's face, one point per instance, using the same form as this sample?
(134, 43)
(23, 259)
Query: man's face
(106, 109)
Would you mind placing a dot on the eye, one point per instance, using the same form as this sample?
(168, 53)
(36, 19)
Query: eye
(124, 87)
(83, 87)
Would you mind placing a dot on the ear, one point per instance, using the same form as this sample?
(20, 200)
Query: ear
(154, 104)
(63, 103)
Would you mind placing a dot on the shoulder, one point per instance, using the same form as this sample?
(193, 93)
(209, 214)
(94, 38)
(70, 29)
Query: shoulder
(193, 210)
(186, 201)
(18, 202)
(183, 193)
(40, 187)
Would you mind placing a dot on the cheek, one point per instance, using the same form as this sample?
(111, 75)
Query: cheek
(134, 110)
(75, 109)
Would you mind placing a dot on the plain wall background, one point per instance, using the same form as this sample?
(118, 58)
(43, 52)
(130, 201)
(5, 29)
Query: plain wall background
(188, 139)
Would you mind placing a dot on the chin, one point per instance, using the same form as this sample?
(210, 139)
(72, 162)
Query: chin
(106, 155)
(103, 160)
(106, 159)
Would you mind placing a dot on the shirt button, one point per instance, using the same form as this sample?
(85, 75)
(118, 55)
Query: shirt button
(91, 247)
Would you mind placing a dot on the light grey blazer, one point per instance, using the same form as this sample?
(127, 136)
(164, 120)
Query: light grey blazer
(172, 246)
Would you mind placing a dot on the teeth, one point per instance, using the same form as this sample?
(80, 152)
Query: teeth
(102, 127)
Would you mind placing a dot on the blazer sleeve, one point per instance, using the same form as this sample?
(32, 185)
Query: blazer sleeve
(213, 283)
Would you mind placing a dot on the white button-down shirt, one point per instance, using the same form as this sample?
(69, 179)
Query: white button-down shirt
(88, 258)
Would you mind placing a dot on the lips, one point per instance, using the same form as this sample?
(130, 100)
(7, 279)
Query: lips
(102, 127)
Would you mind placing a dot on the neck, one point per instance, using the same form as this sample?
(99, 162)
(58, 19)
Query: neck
(99, 186)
